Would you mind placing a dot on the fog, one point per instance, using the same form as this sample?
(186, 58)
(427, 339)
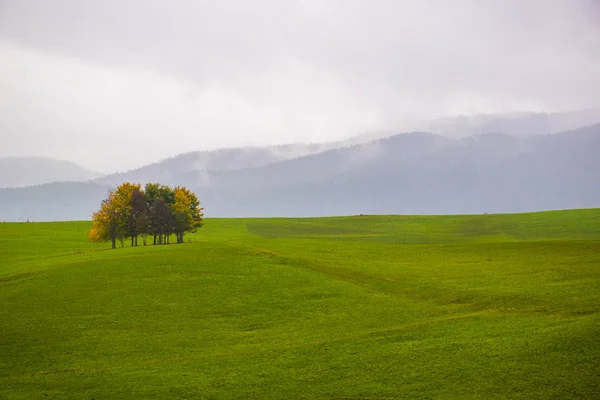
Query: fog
(116, 84)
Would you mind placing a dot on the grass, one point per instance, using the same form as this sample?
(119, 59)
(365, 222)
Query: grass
(378, 307)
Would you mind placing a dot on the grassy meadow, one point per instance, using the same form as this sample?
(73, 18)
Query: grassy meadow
(377, 307)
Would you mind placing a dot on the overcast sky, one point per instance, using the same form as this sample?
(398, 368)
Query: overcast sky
(115, 84)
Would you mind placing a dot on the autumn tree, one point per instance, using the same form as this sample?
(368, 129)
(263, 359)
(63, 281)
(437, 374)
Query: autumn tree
(130, 211)
(187, 214)
(107, 222)
(122, 199)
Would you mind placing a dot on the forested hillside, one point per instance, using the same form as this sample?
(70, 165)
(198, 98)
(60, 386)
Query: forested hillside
(409, 173)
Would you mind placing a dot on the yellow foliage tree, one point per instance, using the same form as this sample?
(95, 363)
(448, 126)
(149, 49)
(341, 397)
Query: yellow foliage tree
(123, 202)
(186, 211)
(107, 221)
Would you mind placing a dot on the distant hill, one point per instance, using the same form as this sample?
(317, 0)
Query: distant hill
(61, 201)
(232, 159)
(28, 171)
(415, 173)
(422, 173)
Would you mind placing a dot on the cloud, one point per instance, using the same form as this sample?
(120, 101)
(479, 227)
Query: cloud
(141, 80)
(101, 117)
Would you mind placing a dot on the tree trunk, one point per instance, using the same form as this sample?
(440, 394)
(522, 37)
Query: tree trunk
(114, 243)
(132, 240)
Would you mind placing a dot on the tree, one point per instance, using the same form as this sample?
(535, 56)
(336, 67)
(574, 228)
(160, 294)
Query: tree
(159, 199)
(107, 223)
(186, 211)
(122, 199)
(130, 211)
(160, 217)
(138, 218)
(152, 194)
(168, 196)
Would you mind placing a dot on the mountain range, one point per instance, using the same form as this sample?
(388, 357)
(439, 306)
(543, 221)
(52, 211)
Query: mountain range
(28, 171)
(412, 173)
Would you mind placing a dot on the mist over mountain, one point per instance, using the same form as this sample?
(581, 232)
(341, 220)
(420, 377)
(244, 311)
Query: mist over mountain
(198, 163)
(28, 171)
(418, 172)
(171, 169)
(202, 165)
(98, 84)
(520, 124)
(421, 173)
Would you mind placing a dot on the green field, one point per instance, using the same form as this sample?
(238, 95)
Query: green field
(377, 307)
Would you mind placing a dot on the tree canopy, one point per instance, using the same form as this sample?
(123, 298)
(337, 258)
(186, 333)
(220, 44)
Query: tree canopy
(130, 211)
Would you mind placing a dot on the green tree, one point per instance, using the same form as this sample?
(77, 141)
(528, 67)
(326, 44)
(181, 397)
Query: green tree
(160, 198)
(138, 221)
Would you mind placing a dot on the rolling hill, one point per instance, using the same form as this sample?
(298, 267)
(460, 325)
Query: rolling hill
(377, 307)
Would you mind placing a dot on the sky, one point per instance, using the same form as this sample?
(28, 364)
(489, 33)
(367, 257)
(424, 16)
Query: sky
(117, 84)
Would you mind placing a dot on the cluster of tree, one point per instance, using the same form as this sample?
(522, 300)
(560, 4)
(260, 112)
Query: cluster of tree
(156, 210)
